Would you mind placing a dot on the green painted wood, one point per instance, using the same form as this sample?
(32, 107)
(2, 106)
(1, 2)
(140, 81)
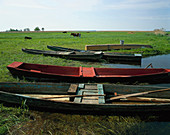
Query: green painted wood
(78, 99)
(81, 86)
(101, 92)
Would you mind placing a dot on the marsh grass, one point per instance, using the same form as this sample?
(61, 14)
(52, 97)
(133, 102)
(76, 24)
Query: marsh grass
(10, 116)
(21, 121)
(56, 124)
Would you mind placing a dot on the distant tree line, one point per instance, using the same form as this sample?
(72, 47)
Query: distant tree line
(26, 29)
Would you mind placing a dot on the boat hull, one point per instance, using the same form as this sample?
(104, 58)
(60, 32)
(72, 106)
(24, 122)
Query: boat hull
(14, 93)
(114, 47)
(51, 73)
(66, 55)
(110, 57)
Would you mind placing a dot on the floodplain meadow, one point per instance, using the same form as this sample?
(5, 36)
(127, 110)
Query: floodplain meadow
(21, 120)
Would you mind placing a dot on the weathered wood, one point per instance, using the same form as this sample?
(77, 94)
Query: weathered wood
(101, 91)
(146, 99)
(105, 47)
(68, 55)
(81, 86)
(53, 73)
(137, 94)
(72, 89)
(91, 87)
(65, 96)
(16, 93)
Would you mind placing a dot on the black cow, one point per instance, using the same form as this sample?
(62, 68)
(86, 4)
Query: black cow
(76, 34)
(28, 37)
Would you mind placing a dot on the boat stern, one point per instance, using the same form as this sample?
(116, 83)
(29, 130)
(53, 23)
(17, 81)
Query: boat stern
(168, 70)
(14, 64)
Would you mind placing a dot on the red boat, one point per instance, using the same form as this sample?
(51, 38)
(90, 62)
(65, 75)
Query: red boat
(50, 73)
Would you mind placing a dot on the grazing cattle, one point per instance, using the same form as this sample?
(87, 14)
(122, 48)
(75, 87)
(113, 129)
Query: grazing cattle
(64, 31)
(76, 34)
(28, 37)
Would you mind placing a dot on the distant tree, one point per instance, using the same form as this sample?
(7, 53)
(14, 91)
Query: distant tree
(13, 29)
(37, 29)
(42, 29)
(26, 29)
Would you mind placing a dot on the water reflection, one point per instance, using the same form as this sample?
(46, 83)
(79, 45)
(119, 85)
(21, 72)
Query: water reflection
(159, 61)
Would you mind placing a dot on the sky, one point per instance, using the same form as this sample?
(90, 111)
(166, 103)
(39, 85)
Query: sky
(85, 14)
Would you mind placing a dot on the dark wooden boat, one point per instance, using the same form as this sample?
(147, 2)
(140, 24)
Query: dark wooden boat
(106, 47)
(57, 48)
(125, 58)
(68, 55)
(87, 98)
(110, 57)
(39, 72)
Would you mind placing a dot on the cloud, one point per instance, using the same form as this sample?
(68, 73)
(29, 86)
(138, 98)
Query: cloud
(25, 4)
(139, 4)
(72, 5)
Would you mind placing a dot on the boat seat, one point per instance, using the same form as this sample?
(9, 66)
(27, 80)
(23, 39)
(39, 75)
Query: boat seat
(90, 99)
(72, 89)
(66, 53)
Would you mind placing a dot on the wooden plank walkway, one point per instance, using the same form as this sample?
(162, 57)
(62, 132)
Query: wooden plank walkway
(96, 89)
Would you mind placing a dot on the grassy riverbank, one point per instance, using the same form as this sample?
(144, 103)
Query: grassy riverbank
(52, 123)
(12, 43)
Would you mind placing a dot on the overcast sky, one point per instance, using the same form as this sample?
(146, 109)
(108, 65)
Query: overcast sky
(85, 14)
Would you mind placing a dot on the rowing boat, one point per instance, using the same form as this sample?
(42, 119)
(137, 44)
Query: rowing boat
(110, 57)
(40, 72)
(58, 48)
(87, 98)
(106, 47)
(96, 56)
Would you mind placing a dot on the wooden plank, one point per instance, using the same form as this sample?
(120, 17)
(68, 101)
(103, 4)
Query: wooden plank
(91, 87)
(81, 86)
(78, 99)
(137, 94)
(101, 92)
(88, 72)
(90, 92)
(91, 98)
(146, 99)
(73, 89)
(90, 101)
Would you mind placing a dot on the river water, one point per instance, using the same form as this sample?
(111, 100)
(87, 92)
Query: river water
(159, 61)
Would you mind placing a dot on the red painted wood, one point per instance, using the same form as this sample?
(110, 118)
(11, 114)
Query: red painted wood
(85, 74)
(88, 72)
(15, 64)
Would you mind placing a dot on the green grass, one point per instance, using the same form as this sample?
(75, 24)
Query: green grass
(13, 120)
(12, 43)
(10, 117)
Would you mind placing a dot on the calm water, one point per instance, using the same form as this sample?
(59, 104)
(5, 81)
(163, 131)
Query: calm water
(160, 61)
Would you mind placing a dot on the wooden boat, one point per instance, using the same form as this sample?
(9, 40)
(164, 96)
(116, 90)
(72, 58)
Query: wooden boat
(114, 47)
(96, 56)
(122, 58)
(88, 98)
(39, 72)
(110, 57)
(57, 48)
